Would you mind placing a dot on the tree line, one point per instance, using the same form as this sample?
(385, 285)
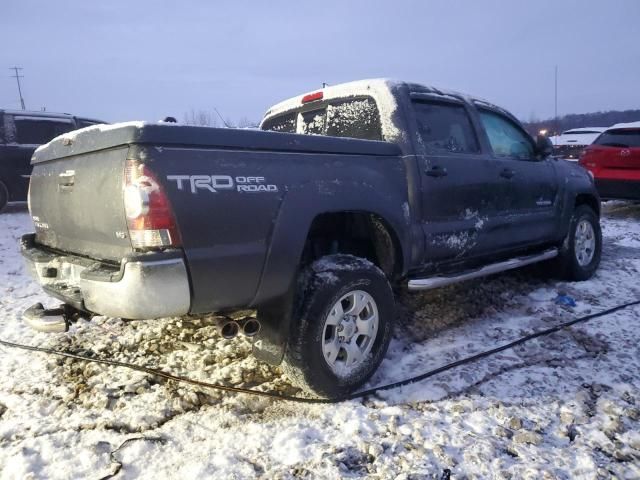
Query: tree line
(577, 120)
(206, 118)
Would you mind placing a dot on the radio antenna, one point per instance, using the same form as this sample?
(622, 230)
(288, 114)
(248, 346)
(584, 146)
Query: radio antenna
(17, 76)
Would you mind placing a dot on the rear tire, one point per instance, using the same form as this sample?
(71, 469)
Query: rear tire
(581, 250)
(4, 196)
(343, 326)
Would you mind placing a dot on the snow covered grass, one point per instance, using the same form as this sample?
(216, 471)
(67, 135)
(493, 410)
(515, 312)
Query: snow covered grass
(562, 406)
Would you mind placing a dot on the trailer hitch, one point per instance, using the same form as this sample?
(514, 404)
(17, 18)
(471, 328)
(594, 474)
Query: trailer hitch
(52, 320)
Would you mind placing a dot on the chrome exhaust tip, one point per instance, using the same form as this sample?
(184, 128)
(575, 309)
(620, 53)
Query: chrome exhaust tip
(227, 328)
(250, 327)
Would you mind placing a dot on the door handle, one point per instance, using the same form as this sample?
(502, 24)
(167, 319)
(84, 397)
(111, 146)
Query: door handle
(507, 173)
(66, 180)
(437, 171)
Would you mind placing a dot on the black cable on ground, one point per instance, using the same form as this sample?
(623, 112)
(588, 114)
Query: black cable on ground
(117, 463)
(353, 396)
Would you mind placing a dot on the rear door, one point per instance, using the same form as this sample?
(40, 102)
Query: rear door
(530, 184)
(460, 186)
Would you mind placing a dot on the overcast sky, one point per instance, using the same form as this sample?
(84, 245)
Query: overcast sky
(129, 60)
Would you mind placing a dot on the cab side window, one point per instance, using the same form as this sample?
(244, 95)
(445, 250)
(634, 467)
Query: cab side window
(444, 128)
(506, 139)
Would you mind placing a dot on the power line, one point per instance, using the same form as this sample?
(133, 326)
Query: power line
(17, 76)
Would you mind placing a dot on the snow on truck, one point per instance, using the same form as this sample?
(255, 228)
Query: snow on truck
(297, 234)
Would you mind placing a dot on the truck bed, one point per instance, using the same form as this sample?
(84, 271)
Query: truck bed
(276, 184)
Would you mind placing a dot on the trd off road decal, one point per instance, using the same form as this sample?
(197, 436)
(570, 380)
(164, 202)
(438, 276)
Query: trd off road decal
(215, 183)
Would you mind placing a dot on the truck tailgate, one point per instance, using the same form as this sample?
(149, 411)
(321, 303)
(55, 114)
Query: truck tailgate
(77, 205)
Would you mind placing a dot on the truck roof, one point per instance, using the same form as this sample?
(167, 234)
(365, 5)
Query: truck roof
(39, 113)
(383, 91)
(373, 85)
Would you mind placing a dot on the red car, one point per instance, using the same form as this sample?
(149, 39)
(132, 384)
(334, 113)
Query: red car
(614, 161)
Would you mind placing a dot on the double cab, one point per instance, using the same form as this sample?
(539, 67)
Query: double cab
(297, 234)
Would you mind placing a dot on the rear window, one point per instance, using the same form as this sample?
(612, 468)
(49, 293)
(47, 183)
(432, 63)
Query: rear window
(354, 118)
(313, 122)
(36, 131)
(623, 138)
(282, 123)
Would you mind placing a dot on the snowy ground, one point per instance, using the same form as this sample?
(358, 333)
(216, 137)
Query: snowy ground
(564, 406)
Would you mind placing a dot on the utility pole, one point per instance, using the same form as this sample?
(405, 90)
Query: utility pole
(556, 101)
(17, 76)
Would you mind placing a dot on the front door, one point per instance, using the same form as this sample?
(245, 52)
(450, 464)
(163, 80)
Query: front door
(529, 183)
(460, 185)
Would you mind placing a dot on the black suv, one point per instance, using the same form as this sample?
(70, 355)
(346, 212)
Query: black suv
(21, 132)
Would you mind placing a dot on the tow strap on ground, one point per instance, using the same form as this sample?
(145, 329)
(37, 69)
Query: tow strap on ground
(353, 396)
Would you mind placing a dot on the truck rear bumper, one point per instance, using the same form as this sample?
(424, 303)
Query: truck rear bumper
(142, 287)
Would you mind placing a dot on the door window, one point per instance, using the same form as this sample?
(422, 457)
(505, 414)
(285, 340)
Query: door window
(445, 128)
(506, 139)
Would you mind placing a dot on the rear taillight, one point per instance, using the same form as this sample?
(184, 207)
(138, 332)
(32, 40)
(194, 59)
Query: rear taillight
(149, 214)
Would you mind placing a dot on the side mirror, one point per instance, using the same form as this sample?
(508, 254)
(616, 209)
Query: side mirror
(544, 146)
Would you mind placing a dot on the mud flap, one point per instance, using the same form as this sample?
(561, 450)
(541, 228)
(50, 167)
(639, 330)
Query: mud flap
(275, 321)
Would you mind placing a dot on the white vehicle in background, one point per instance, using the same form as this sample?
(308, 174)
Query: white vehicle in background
(572, 142)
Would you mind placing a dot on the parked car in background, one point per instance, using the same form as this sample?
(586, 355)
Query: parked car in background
(572, 142)
(614, 161)
(21, 132)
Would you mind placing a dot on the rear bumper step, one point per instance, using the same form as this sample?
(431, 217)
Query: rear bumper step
(150, 286)
(441, 281)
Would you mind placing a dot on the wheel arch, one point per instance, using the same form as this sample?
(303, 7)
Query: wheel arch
(361, 233)
(589, 200)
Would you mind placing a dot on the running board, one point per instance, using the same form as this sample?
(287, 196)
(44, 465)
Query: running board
(435, 282)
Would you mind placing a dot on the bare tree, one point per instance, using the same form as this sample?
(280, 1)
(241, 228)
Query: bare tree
(244, 122)
(200, 118)
(207, 118)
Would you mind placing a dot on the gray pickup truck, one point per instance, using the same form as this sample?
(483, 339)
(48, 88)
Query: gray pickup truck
(297, 234)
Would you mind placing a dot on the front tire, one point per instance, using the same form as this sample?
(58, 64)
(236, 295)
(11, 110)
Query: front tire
(343, 328)
(581, 250)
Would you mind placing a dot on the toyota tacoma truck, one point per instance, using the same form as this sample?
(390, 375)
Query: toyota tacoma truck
(299, 233)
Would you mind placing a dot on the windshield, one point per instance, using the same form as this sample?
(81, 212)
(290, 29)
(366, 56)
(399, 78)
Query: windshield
(623, 138)
(354, 118)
